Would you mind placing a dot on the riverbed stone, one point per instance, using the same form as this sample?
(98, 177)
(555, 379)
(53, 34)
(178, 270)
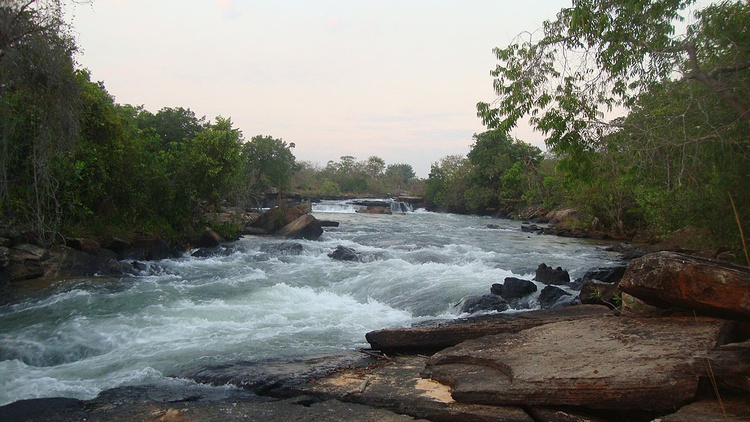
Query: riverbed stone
(677, 280)
(554, 297)
(599, 363)
(513, 288)
(482, 303)
(548, 275)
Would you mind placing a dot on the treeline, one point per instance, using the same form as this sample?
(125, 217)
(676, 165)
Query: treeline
(679, 157)
(74, 162)
(349, 177)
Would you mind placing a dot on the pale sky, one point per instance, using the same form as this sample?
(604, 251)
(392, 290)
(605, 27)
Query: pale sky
(396, 79)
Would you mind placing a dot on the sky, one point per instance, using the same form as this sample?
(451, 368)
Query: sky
(395, 79)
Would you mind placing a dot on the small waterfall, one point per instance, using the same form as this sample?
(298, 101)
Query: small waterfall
(400, 207)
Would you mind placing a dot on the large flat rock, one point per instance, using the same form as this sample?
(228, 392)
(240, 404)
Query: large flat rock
(670, 279)
(599, 363)
(397, 385)
(438, 335)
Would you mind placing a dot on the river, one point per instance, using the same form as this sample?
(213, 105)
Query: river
(262, 299)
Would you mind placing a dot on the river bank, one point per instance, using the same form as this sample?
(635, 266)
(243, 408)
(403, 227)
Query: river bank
(262, 290)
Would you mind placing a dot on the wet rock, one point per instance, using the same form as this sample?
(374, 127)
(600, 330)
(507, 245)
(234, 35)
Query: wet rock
(56, 408)
(282, 248)
(149, 250)
(432, 336)
(304, 227)
(481, 303)
(670, 279)
(328, 223)
(554, 297)
(4, 266)
(209, 239)
(513, 288)
(630, 363)
(549, 275)
(67, 262)
(342, 253)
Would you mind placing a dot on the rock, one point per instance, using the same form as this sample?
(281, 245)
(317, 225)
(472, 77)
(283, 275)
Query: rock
(68, 262)
(328, 223)
(209, 239)
(730, 366)
(304, 227)
(396, 385)
(4, 266)
(600, 286)
(493, 226)
(84, 244)
(375, 209)
(26, 262)
(553, 297)
(549, 275)
(601, 363)
(670, 279)
(118, 245)
(596, 292)
(342, 253)
(432, 336)
(277, 217)
(606, 275)
(729, 409)
(513, 288)
(282, 248)
(149, 250)
(479, 303)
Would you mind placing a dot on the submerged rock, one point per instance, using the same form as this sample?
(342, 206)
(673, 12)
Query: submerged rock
(553, 297)
(342, 253)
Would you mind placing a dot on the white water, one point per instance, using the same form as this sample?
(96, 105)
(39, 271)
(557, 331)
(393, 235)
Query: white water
(255, 303)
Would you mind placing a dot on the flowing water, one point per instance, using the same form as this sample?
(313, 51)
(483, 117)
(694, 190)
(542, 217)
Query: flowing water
(262, 298)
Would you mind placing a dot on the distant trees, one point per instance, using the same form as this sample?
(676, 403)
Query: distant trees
(348, 176)
(497, 173)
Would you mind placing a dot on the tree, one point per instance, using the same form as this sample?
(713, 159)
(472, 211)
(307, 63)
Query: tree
(601, 54)
(399, 175)
(38, 111)
(269, 162)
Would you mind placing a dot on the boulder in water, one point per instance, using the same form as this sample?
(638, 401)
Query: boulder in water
(553, 297)
(304, 227)
(549, 275)
(513, 288)
(342, 253)
(474, 303)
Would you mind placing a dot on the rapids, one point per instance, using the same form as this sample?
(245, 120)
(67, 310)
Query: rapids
(258, 300)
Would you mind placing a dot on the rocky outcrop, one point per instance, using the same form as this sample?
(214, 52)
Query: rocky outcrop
(208, 239)
(630, 363)
(670, 279)
(375, 209)
(432, 336)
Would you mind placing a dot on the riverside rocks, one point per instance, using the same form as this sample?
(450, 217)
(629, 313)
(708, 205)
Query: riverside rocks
(549, 275)
(635, 364)
(670, 279)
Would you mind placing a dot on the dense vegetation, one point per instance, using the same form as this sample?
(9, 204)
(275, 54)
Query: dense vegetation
(679, 157)
(73, 162)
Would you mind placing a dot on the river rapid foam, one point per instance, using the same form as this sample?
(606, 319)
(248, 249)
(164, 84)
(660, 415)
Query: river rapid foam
(258, 300)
